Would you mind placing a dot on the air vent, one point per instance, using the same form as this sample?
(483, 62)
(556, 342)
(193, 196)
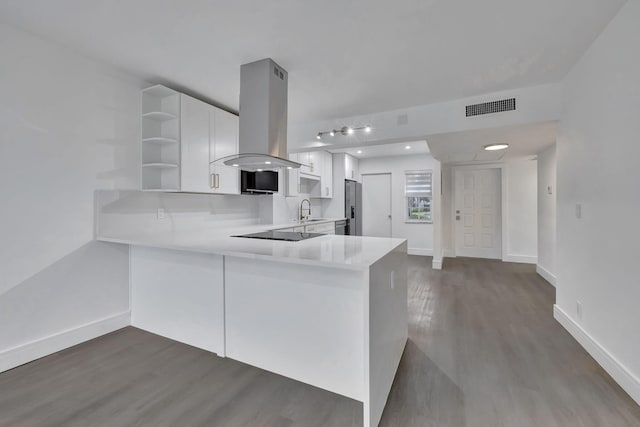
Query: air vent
(491, 107)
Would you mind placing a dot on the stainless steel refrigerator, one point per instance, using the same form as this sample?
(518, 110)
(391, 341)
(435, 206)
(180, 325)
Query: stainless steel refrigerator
(353, 207)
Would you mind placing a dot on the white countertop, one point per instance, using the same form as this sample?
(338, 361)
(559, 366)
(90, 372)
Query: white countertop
(348, 252)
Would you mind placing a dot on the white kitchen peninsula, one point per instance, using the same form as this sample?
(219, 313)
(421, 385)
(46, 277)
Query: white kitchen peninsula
(330, 311)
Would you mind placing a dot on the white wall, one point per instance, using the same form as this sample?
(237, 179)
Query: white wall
(598, 154)
(547, 214)
(68, 126)
(522, 211)
(519, 214)
(448, 220)
(420, 236)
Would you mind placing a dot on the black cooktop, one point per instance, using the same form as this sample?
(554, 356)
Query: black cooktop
(287, 236)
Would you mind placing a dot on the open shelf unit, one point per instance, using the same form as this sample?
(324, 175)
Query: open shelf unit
(160, 150)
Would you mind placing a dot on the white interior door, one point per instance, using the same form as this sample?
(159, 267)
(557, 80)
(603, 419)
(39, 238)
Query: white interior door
(376, 205)
(478, 219)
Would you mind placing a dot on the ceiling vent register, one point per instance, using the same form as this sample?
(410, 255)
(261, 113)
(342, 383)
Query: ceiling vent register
(491, 107)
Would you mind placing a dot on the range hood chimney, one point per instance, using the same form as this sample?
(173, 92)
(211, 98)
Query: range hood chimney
(263, 118)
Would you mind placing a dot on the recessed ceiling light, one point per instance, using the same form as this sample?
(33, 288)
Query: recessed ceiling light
(367, 129)
(350, 131)
(332, 133)
(494, 147)
(319, 136)
(289, 167)
(267, 162)
(359, 151)
(407, 147)
(235, 165)
(259, 170)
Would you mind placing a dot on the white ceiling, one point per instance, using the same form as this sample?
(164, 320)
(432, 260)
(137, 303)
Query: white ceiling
(468, 146)
(344, 57)
(385, 150)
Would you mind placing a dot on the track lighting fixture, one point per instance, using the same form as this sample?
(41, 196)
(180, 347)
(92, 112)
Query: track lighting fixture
(345, 130)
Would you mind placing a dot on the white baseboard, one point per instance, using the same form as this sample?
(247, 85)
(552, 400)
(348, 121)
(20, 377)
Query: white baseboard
(420, 251)
(629, 382)
(523, 259)
(16, 356)
(546, 274)
(436, 264)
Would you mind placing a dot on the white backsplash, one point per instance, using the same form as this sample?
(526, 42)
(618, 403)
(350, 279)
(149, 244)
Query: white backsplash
(137, 212)
(287, 209)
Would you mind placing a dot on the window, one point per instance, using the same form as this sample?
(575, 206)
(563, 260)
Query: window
(418, 196)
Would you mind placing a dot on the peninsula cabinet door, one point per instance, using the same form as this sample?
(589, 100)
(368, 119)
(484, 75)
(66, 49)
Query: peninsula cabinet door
(179, 295)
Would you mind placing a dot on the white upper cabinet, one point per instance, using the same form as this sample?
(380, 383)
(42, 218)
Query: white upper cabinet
(314, 178)
(316, 160)
(326, 179)
(195, 145)
(181, 136)
(224, 142)
(351, 168)
(305, 159)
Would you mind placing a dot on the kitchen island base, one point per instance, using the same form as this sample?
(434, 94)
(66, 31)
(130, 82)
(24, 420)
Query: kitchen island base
(339, 329)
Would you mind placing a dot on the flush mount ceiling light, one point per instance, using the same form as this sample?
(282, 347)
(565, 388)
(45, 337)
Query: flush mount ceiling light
(359, 151)
(495, 147)
(344, 130)
(407, 147)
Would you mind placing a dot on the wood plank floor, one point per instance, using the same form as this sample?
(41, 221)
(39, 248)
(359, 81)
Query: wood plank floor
(483, 350)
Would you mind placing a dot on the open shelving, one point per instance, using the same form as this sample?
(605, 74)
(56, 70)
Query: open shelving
(159, 116)
(160, 150)
(159, 140)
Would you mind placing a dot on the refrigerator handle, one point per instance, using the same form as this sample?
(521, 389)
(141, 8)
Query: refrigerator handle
(353, 212)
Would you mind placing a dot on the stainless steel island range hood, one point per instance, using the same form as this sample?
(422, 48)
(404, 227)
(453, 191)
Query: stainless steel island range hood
(263, 118)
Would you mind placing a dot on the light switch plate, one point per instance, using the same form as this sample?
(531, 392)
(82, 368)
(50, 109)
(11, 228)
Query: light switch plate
(549, 190)
(160, 213)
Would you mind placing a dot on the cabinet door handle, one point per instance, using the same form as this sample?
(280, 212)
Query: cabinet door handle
(217, 180)
(212, 180)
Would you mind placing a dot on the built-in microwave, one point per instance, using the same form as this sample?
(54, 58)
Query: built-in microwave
(264, 182)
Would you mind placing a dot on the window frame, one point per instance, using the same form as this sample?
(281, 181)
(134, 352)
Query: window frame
(407, 219)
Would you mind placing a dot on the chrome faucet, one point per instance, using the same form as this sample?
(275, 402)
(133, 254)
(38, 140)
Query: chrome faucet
(303, 217)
